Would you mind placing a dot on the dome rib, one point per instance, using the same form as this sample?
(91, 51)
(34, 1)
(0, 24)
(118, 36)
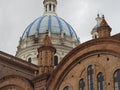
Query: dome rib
(31, 26)
(25, 32)
(52, 23)
(39, 23)
(49, 23)
(68, 26)
(60, 25)
(75, 33)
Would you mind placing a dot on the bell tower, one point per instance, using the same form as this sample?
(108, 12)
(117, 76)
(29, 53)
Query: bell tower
(46, 56)
(45, 63)
(50, 7)
(104, 30)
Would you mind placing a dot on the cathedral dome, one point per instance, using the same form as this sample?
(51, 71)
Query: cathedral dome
(63, 36)
(54, 24)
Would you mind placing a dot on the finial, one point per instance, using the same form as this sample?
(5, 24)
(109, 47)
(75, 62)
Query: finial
(103, 16)
(98, 15)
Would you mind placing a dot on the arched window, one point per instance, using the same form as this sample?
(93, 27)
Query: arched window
(101, 83)
(82, 84)
(55, 60)
(95, 36)
(90, 73)
(117, 80)
(67, 88)
(36, 40)
(29, 60)
(50, 7)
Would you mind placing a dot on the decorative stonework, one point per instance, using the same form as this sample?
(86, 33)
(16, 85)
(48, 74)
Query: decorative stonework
(17, 81)
(28, 48)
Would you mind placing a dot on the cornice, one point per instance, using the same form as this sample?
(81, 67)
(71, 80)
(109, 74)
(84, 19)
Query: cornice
(6, 58)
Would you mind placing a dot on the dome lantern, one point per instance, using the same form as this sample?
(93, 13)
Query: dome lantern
(50, 7)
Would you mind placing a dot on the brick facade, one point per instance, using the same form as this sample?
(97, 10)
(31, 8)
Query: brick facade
(103, 54)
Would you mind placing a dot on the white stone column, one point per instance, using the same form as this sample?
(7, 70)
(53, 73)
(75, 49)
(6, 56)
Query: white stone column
(52, 7)
(47, 7)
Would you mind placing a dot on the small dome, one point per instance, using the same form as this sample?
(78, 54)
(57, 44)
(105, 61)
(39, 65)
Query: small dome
(53, 23)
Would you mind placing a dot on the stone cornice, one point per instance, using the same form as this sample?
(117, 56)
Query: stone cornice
(6, 58)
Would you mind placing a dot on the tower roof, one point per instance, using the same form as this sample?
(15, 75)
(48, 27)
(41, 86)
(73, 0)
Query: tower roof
(47, 40)
(103, 22)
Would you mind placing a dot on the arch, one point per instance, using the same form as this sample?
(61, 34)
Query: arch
(29, 59)
(50, 7)
(67, 88)
(11, 87)
(17, 81)
(100, 81)
(29, 55)
(78, 54)
(117, 80)
(90, 74)
(95, 35)
(82, 84)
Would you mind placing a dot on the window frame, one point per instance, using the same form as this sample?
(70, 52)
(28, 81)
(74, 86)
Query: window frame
(82, 85)
(90, 76)
(101, 81)
(116, 80)
(67, 88)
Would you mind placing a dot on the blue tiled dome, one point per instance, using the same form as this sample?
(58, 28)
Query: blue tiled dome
(52, 23)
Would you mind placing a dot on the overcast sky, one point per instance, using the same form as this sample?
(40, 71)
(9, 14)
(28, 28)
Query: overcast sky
(16, 15)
